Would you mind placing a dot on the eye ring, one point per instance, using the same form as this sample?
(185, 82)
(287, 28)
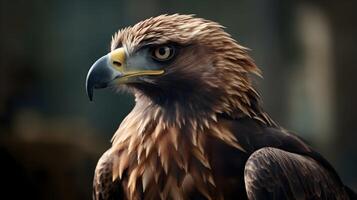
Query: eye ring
(163, 53)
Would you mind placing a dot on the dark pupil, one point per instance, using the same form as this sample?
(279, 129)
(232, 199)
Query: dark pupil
(162, 51)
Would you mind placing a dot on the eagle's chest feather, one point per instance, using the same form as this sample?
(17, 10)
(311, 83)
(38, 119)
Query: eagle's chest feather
(169, 162)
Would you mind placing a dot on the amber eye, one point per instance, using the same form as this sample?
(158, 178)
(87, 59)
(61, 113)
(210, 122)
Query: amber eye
(163, 53)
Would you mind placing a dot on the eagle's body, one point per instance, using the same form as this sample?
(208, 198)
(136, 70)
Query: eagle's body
(198, 130)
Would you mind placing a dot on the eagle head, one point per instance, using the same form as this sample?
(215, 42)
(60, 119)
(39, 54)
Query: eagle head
(178, 60)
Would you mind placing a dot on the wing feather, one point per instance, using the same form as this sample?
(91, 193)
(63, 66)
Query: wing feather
(272, 173)
(104, 187)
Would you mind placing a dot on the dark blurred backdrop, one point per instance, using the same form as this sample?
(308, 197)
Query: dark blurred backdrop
(51, 135)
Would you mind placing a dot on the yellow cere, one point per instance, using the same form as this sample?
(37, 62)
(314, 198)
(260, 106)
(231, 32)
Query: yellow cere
(117, 58)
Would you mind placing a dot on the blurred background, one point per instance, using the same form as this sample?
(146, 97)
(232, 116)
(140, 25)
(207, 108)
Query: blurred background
(51, 136)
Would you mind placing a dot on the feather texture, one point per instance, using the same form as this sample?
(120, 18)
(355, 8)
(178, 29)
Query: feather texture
(199, 131)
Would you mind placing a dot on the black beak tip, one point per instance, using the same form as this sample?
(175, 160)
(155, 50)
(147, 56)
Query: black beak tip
(90, 94)
(89, 90)
(99, 76)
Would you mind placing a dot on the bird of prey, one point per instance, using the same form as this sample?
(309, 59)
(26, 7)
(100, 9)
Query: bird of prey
(198, 129)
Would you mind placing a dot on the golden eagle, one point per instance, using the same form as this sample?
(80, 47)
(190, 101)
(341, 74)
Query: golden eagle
(198, 130)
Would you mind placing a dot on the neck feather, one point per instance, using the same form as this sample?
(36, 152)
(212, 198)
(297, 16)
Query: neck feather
(149, 146)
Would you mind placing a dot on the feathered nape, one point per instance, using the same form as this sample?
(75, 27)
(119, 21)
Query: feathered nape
(231, 84)
(165, 157)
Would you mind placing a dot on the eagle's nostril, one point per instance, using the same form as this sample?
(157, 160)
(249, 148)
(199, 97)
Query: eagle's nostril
(117, 63)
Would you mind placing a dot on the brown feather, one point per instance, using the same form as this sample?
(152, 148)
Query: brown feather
(169, 150)
(148, 141)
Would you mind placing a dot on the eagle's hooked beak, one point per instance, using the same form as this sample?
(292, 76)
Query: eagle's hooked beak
(112, 69)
